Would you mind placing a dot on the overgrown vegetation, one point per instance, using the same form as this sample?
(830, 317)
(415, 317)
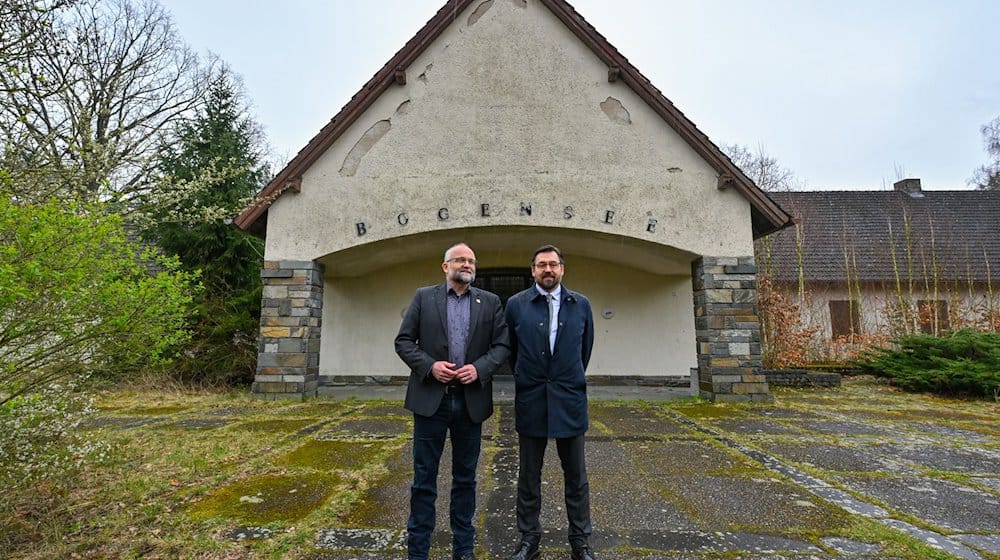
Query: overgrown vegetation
(964, 362)
(78, 298)
(40, 437)
(785, 340)
(242, 463)
(108, 125)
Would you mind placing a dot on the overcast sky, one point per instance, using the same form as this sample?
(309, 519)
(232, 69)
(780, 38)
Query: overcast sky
(846, 94)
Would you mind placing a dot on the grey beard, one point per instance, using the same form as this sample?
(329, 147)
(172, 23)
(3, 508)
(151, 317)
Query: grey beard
(464, 277)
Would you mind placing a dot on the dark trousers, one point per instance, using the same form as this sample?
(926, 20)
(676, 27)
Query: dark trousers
(529, 488)
(429, 434)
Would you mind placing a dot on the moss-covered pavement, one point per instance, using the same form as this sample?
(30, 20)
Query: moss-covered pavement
(857, 472)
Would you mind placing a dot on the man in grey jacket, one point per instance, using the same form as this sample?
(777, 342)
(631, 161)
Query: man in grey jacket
(453, 338)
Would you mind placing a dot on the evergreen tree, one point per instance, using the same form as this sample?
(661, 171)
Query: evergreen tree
(209, 171)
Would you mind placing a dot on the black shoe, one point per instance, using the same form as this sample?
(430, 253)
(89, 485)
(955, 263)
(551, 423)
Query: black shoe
(466, 556)
(525, 551)
(582, 553)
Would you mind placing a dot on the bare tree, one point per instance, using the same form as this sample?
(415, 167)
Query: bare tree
(83, 111)
(24, 24)
(987, 176)
(762, 168)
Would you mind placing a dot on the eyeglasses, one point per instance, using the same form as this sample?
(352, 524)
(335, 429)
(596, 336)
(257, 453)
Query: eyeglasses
(543, 265)
(462, 260)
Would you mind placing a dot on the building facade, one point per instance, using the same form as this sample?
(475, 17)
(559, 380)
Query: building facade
(508, 124)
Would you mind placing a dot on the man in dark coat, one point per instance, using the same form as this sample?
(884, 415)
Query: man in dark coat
(453, 337)
(552, 335)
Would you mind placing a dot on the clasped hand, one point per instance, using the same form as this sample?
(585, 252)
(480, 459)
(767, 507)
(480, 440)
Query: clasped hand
(445, 372)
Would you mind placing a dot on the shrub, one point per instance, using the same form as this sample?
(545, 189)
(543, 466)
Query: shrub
(39, 439)
(785, 340)
(963, 362)
(77, 297)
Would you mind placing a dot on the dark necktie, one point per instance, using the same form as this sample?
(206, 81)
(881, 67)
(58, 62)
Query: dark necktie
(553, 322)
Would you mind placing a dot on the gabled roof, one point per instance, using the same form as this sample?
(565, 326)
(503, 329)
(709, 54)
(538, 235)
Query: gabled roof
(956, 233)
(766, 215)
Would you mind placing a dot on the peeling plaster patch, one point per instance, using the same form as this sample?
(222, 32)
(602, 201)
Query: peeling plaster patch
(479, 11)
(423, 75)
(403, 108)
(615, 111)
(674, 170)
(368, 139)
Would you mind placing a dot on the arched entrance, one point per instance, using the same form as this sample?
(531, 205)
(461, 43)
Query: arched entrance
(503, 282)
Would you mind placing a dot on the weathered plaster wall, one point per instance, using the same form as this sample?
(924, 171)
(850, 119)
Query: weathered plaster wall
(650, 333)
(508, 109)
(876, 299)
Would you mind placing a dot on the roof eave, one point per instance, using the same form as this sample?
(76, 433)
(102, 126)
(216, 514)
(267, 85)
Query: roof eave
(772, 217)
(292, 173)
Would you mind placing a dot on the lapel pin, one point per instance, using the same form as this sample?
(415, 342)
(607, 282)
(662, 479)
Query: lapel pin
(477, 300)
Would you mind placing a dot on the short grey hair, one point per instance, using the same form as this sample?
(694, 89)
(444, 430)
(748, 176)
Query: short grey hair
(448, 250)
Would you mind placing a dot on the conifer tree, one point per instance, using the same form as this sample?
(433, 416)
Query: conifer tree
(210, 171)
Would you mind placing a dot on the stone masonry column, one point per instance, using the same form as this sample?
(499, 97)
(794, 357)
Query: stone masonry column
(291, 314)
(727, 329)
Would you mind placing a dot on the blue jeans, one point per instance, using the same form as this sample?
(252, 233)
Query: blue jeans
(429, 434)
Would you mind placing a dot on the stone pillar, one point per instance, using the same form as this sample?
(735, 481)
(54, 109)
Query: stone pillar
(727, 329)
(291, 314)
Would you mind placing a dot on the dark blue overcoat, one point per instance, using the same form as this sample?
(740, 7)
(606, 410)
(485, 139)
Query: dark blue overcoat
(550, 397)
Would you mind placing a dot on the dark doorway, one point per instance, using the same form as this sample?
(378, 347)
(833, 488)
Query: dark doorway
(503, 282)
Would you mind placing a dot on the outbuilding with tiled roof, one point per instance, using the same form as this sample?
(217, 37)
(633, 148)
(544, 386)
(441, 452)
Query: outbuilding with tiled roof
(889, 261)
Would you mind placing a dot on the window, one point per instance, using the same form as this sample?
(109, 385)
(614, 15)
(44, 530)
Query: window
(845, 317)
(933, 316)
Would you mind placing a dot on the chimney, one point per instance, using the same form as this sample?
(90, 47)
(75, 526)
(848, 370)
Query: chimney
(908, 186)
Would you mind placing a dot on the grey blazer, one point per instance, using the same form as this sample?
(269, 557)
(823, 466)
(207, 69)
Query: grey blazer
(423, 340)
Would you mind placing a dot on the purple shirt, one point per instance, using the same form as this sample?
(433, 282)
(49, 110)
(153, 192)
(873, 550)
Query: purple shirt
(459, 308)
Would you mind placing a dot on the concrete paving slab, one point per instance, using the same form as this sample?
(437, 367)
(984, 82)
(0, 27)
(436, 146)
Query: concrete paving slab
(984, 543)
(764, 543)
(687, 541)
(843, 427)
(625, 420)
(786, 414)
(953, 507)
(368, 428)
(843, 545)
(753, 426)
(943, 458)
(635, 504)
(989, 481)
(721, 503)
(947, 433)
(844, 458)
(725, 482)
(687, 457)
